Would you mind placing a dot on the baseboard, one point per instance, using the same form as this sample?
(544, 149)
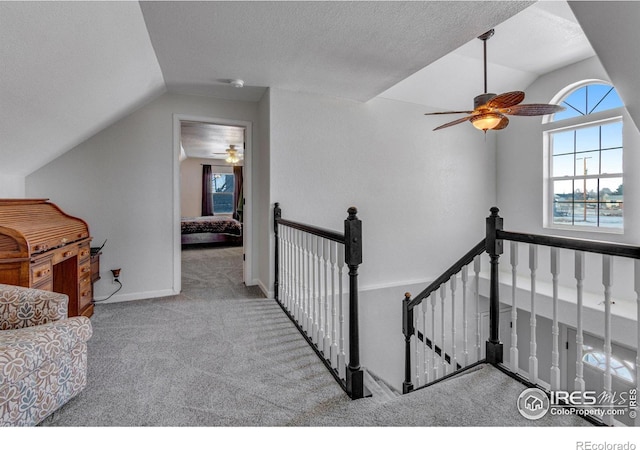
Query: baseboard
(136, 296)
(267, 293)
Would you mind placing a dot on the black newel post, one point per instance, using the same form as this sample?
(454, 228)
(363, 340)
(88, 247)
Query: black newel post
(494, 249)
(407, 330)
(353, 258)
(277, 213)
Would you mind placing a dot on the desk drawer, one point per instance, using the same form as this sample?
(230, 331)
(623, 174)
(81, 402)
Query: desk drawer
(84, 269)
(64, 253)
(41, 272)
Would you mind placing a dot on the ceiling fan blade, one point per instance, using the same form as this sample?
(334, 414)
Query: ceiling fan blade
(455, 122)
(447, 112)
(506, 100)
(532, 109)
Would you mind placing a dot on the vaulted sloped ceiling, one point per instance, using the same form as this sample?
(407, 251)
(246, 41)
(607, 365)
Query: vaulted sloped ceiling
(612, 28)
(70, 69)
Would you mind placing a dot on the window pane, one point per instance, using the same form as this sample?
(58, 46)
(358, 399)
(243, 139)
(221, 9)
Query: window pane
(578, 101)
(563, 166)
(596, 93)
(562, 142)
(611, 161)
(222, 203)
(587, 139)
(588, 163)
(563, 190)
(585, 214)
(611, 189)
(612, 135)
(222, 182)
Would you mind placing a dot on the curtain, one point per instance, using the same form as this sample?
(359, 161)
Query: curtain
(238, 197)
(207, 189)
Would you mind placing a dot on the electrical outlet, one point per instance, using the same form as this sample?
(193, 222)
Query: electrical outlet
(116, 275)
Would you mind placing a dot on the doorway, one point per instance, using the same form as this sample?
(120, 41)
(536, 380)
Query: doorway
(224, 147)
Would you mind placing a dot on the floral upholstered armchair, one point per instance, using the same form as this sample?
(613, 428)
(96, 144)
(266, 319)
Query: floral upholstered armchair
(43, 354)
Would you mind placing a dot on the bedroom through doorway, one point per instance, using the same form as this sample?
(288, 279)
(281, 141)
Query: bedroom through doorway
(212, 186)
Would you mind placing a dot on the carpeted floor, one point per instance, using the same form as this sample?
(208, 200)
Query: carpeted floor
(221, 355)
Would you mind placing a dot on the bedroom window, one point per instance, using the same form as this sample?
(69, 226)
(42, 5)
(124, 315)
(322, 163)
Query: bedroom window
(222, 194)
(584, 153)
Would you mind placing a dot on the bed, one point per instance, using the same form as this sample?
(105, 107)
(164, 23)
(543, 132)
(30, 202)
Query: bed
(210, 230)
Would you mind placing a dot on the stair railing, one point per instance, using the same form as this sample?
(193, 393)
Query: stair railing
(435, 354)
(309, 287)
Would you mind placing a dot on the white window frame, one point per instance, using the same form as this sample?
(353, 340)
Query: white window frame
(549, 127)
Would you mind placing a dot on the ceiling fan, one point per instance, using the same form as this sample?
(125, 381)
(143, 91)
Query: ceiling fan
(490, 110)
(233, 157)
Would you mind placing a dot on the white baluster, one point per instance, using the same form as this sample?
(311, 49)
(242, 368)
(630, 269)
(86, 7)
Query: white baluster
(434, 365)
(443, 366)
(310, 278)
(285, 275)
(607, 282)
(579, 275)
(533, 358)
(341, 355)
(555, 329)
(299, 290)
(636, 273)
(326, 345)
(317, 318)
(465, 350)
(477, 261)
(322, 257)
(290, 288)
(425, 359)
(313, 327)
(417, 314)
(513, 355)
(334, 324)
(453, 283)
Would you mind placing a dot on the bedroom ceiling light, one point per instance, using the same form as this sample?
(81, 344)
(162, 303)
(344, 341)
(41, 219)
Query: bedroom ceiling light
(233, 157)
(237, 83)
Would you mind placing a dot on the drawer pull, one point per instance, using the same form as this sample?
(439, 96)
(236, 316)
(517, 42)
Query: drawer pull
(43, 273)
(65, 254)
(85, 269)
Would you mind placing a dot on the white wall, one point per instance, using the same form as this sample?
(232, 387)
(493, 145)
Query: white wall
(422, 196)
(520, 161)
(520, 187)
(121, 182)
(12, 186)
(191, 183)
(262, 201)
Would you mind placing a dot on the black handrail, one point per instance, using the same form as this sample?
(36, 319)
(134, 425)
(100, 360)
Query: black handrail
(451, 271)
(352, 240)
(600, 247)
(311, 229)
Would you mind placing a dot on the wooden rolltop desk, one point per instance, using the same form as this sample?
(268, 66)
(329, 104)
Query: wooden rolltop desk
(44, 248)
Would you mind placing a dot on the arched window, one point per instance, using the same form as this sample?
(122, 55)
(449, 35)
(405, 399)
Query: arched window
(584, 154)
(618, 368)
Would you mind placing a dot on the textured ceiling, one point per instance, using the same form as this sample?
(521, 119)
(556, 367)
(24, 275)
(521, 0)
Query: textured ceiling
(353, 50)
(70, 69)
(538, 40)
(208, 140)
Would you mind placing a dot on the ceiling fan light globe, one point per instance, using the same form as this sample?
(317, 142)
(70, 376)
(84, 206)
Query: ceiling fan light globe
(486, 121)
